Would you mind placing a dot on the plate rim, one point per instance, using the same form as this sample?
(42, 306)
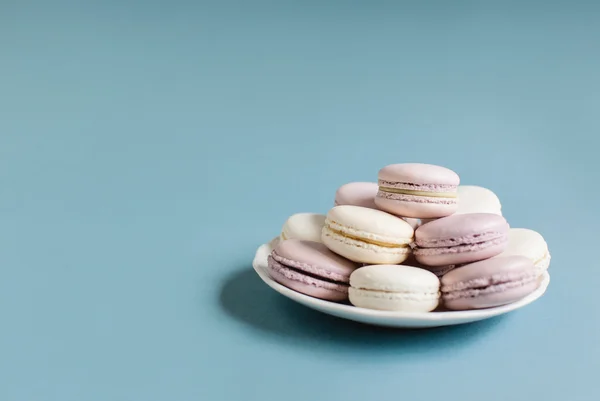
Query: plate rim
(399, 315)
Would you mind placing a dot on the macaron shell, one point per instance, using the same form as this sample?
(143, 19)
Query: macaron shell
(502, 297)
(303, 226)
(357, 194)
(386, 301)
(395, 278)
(362, 252)
(499, 269)
(314, 258)
(476, 199)
(305, 284)
(415, 207)
(461, 229)
(370, 222)
(489, 283)
(460, 254)
(419, 173)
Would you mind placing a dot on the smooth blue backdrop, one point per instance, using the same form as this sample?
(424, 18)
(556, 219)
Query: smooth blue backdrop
(148, 148)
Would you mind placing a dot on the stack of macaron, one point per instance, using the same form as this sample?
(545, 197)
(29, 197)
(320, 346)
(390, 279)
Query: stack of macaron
(414, 241)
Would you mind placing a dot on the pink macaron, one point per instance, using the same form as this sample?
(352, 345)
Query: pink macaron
(460, 239)
(312, 269)
(357, 194)
(417, 190)
(489, 283)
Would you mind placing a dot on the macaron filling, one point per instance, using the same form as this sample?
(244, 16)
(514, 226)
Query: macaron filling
(429, 198)
(544, 261)
(390, 189)
(302, 276)
(487, 285)
(452, 189)
(369, 241)
(372, 239)
(406, 295)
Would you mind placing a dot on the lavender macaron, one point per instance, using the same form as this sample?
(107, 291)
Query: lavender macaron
(312, 269)
(489, 283)
(417, 190)
(460, 239)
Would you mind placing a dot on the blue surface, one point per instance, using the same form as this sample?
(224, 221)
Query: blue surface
(147, 150)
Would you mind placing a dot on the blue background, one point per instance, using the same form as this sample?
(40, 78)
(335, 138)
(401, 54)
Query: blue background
(148, 148)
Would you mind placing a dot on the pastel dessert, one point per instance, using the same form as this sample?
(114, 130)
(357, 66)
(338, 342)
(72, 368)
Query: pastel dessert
(367, 235)
(417, 190)
(363, 194)
(311, 269)
(475, 199)
(489, 283)
(394, 288)
(357, 194)
(460, 239)
(304, 226)
(531, 244)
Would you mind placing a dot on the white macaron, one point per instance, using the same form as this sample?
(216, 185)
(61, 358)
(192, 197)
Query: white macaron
(303, 226)
(476, 199)
(367, 235)
(394, 288)
(528, 243)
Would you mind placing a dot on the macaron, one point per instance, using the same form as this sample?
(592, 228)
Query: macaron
(357, 194)
(476, 199)
(363, 194)
(367, 235)
(531, 244)
(460, 239)
(489, 283)
(417, 190)
(394, 288)
(311, 269)
(303, 226)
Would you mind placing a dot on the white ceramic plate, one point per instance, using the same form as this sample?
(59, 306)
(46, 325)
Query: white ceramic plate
(385, 318)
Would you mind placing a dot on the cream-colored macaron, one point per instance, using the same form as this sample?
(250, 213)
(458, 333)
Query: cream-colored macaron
(303, 226)
(476, 199)
(394, 288)
(367, 235)
(528, 243)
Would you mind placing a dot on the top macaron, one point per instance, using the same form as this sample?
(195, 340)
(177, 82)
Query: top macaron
(417, 190)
